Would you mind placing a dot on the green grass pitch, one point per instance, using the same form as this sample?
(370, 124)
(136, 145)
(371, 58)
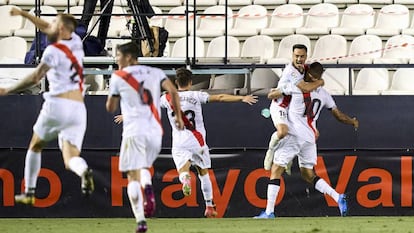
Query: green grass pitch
(200, 225)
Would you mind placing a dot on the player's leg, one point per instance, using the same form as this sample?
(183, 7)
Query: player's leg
(78, 165)
(285, 152)
(136, 199)
(182, 160)
(207, 190)
(279, 118)
(307, 160)
(31, 170)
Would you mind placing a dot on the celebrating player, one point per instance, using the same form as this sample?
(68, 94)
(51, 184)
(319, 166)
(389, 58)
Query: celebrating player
(303, 113)
(189, 146)
(63, 113)
(137, 88)
(293, 73)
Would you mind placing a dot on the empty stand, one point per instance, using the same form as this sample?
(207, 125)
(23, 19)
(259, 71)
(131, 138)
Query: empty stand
(179, 48)
(329, 48)
(250, 19)
(11, 23)
(321, 18)
(258, 46)
(402, 82)
(356, 19)
(214, 26)
(391, 20)
(13, 47)
(284, 20)
(363, 50)
(216, 47)
(398, 49)
(337, 80)
(176, 25)
(371, 81)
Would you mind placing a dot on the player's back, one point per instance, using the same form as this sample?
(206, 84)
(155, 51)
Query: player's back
(304, 111)
(136, 110)
(63, 76)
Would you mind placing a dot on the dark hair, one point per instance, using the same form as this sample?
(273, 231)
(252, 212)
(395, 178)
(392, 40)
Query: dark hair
(69, 21)
(299, 46)
(130, 48)
(316, 69)
(183, 76)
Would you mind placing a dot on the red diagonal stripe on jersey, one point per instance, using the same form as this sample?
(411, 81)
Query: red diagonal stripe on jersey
(309, 111)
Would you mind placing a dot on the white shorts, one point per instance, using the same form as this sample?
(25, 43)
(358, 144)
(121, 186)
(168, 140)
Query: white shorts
(290, 146)
(199, 157)
(62, 118)
(278, 114)
(139, 152)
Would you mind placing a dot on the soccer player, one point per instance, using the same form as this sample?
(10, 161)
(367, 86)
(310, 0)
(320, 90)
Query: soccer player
(63, 113)
(138, 88)
(303, 113)
(189, 146)
(292, 73)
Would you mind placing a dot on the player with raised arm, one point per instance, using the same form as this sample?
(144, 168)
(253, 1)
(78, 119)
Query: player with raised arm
(189, 146)
(138, 88)
(304, 111)
(63, 114)
(292, 73)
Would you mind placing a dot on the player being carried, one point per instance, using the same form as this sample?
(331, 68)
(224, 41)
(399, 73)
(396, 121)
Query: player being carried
(189, 146)
(292, 73)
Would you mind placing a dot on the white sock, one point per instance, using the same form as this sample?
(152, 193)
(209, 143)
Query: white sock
(136, 200)
(272, 192)
(324, 188)
(145, 177)
(274, 139)
(78, 165)
(31, 169)
(182, 175)
(207, 189)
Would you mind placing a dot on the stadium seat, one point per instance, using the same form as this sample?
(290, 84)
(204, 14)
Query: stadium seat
(284, 52)
(214, 26)
(176, 25)
(250, 19)
(376, 3)
(157, 20)
(305, 2)
(168, 3)
(258, 46)
(363, 50)
(13, 47)
(398, 49)
(410, 30)
(11, 23)
(284, 20)
(202, 2)
(337, 80)
(356, 19)
(228, 83)
(117, 23)
(29, 29)
(329, 48)
(94, 82)
(371, 81)
(402, 82)
(262, 80)
(321, 18)
(270, 2)
(336, 2)
(179, 47)
(216, 47)
(235, 2)
(391, 19)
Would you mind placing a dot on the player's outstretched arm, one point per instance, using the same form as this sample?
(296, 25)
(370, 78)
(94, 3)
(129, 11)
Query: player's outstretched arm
(274, 93)
(248, 99)
(43, 25)
(27, 82)
(342, 117)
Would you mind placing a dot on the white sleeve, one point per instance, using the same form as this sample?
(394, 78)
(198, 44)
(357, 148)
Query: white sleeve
(329, 101)
(50, 56)
(203, 97)
(113, 85)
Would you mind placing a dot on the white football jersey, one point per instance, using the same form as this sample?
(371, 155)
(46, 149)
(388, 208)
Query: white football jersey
(304, 110)
(290, 75)
(138, 118)
(191, 102)
(62, 76)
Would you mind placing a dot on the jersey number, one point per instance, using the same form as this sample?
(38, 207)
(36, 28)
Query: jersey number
(190, 115)
(145, 94)
(310, 105)
(74, 74)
